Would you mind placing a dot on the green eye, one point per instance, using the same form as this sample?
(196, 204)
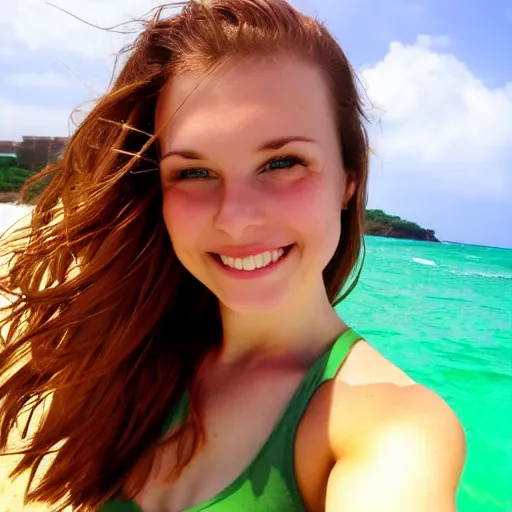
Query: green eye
(284, 163)
(188, 174)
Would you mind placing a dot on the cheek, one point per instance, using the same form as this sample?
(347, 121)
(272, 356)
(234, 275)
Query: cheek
(324, 229)
(315, 208)
(183, 217)
(315, 211)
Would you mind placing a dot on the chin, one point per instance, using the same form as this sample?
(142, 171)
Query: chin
(249, 302)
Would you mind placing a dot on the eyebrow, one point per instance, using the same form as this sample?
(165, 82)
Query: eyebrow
(271, 145)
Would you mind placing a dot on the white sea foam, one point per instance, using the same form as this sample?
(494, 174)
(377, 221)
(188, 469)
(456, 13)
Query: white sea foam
(488, 275)
(421, 261)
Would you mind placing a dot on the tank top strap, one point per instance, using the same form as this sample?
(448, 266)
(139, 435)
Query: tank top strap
(324, 369)
(337, 354)
(177, 415)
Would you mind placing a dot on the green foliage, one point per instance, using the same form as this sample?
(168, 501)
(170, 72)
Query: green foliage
(380, 223)
(12, 178)
(37, 189)
(7, 161)
(379, 216)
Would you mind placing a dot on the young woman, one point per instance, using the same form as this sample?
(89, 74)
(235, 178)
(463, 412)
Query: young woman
(173, 299)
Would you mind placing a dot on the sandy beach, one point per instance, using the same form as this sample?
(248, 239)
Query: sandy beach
(12, 491)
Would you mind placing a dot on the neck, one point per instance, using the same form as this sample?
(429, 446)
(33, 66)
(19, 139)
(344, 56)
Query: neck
(302, 328)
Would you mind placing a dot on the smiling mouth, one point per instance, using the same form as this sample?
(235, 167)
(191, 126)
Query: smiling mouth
(254, 262)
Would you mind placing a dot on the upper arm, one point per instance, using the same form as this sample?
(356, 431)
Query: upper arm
(410, 462)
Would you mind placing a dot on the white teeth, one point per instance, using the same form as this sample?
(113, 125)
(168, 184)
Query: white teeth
(252, 262)
(258, 261)
(249, 263)
(228, 261)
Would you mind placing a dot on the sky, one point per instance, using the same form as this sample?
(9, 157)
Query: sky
(436, 74)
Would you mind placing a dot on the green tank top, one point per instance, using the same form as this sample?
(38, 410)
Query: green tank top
(268, 483)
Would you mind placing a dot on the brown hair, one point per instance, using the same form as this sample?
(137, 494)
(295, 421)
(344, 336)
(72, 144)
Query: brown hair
(104, 318)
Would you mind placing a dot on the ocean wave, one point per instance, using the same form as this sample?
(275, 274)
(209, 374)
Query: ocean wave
(421, 261)
(487, 275)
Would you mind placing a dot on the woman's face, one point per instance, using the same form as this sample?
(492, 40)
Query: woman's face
(253, 180)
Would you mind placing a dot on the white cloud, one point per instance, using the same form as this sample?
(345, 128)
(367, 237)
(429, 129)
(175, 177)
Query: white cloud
(39, 25)
(32, 120)
(46, 79)
(439, 122)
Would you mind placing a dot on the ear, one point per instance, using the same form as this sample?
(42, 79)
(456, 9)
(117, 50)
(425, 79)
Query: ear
(350, 188)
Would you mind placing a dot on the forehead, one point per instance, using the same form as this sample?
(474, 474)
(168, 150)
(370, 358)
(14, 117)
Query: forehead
(271, 95)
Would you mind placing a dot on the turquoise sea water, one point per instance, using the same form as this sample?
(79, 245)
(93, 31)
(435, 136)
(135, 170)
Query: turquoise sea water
(443, 313)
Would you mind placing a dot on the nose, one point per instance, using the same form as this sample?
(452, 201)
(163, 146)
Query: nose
(240, 208)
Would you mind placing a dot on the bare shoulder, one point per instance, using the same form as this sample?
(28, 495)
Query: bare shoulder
(376, 390)
(404, 438)
(365, 365)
